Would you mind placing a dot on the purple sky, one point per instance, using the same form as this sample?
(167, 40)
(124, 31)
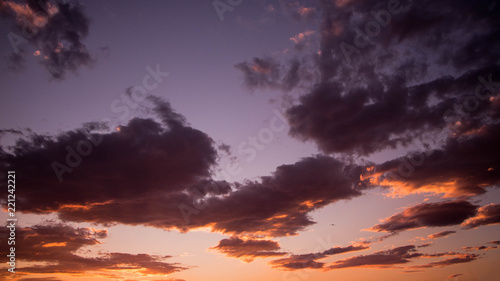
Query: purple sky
(286, 140)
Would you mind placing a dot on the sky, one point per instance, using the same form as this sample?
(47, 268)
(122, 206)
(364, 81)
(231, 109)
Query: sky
(242, 140)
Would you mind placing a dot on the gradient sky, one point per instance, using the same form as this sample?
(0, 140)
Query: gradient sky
(274, 140)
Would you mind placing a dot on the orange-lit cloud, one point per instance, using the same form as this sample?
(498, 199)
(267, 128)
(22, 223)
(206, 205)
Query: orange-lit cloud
(440, 234)
(342, 3)
(487, 215)
(26, 15)
(306, 11)
(301, 37)
(55, 244)
(54, 247)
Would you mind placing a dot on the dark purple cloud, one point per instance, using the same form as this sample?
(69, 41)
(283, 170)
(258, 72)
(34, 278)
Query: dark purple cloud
(385, 90)
(401, 256)
(164, 168)
(462, 258)
(278, 205)
(143, 159)
(480, 248)
(55, 28)
(428, 215)
(386, 258)
(248, 249)
(296, 262)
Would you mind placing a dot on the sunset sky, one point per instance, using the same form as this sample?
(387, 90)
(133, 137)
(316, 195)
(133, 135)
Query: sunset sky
(251, 140)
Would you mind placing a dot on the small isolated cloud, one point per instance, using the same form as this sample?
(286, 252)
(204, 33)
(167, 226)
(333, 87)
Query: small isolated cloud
(299, 38)
(248, 249)
(306, 12)
(260, 73)
(428, 215)
(298, 11)
(441, 234)
(486, 215)
(268, 73)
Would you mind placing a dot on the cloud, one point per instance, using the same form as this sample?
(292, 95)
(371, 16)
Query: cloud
(441, 234)
(11, 131)
(249, 249)
(466, 165)
(58, 248)
(164, 168)
(289, 195)
(486, 215)
(480, 248)
(57, 29)
(461, 258)
(145, 158)
(296, 262)
(428, 215)
(382, 259)
(400, 256)
(300, 40)
(297, 11)
(269, 73)
(385, 90)
(260, 73)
